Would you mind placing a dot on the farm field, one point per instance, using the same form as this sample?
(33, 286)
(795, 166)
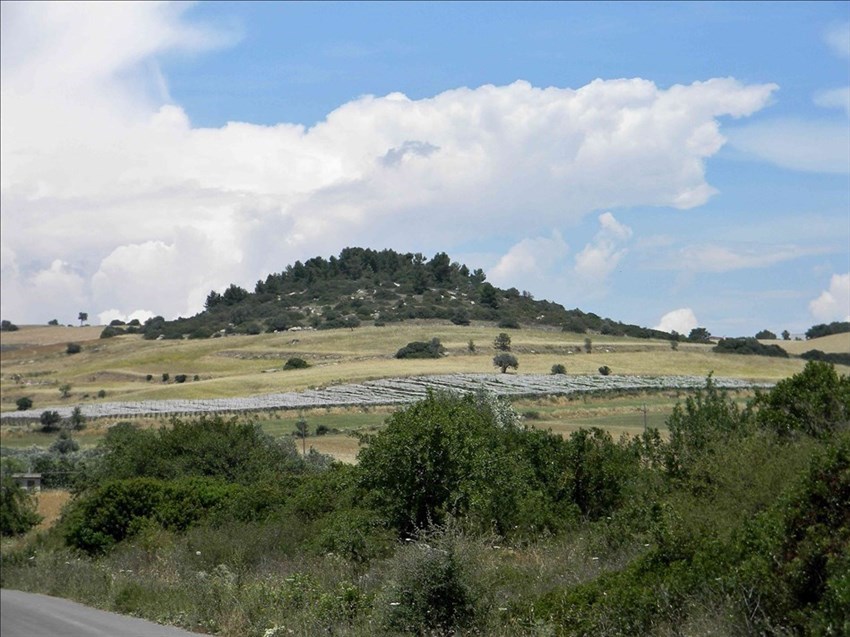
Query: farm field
(34, 362)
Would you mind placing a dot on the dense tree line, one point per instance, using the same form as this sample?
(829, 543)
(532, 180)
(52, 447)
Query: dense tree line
(823, 329)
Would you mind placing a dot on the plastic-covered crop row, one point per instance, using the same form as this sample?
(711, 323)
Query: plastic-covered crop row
(391, 391)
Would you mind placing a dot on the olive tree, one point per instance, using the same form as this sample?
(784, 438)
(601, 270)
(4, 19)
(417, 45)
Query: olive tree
(505, 360)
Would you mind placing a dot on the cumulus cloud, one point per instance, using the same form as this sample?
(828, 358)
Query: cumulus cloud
(600, 257)
(682, 321)
(103, 175)
(529, 259)
(833, 304)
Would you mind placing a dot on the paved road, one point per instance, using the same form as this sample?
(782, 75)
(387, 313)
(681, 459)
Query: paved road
(32, 615)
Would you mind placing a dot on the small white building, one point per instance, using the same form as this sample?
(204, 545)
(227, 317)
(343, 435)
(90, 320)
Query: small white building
(28, 481)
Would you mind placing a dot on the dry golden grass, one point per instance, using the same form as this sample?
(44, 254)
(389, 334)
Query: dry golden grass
(49, 504)
(832, 344)
(34, 362)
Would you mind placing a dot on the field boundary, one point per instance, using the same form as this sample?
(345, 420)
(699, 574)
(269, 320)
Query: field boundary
(391, 391)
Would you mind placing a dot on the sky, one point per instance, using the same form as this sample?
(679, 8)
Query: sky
(673, 165)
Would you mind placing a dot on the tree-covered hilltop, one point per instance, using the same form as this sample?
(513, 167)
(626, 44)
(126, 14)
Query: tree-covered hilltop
(362, 285)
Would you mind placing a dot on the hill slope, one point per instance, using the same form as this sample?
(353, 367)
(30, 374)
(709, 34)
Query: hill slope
(364, 285)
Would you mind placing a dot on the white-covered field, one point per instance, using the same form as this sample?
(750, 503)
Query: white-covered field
(391, 391)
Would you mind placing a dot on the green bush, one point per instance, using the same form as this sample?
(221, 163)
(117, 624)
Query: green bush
(814, 402)
(73, 348)
(431, 590)
(210, 446)
(296, 363)
(117, 510)
(50, 421)
(17, 508)
(558, 368)
(23, 403)
(465, 457)
(422, 349)
(748, 346)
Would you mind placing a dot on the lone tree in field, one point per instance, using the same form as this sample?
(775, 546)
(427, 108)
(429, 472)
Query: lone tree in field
(50, 421)
(302, 430)
(502, 342)
(83, 316)
(505, 360)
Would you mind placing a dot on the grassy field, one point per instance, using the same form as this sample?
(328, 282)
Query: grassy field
(34, 363)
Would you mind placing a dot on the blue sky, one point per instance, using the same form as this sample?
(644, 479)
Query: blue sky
(667, 164)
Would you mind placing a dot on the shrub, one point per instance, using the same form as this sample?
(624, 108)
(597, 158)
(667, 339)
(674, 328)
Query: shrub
(49, 421)
(460, 456)
(165, 377)
(509, 323)
(23, 403)
(101, 393)
(558, 368)
(838, 358)
(605, 370)
(180, 378)
(117, 510)
(73, 348)
(17, 508)
(77, 420)
(296, 363)
(209, 446)
(460, 317)
(64, 444)
(422, 349)
(766, 335)
(814, 402)
(109, 332)
(431, 591)
(7, 326)
(502, 342)
(748, 346)
(149, 377)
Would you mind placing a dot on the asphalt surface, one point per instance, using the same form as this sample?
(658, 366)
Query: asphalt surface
(32, 615)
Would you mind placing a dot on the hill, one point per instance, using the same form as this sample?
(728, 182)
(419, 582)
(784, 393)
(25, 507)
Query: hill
(367, 286)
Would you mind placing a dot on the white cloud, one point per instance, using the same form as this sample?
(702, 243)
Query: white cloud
(529, 259)
(834, 98)
(726, 258)
(810, 146)
(151, 195)
(837, 38)
(833, 304)
(107, 316)
(682, 321)
(599, 258)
